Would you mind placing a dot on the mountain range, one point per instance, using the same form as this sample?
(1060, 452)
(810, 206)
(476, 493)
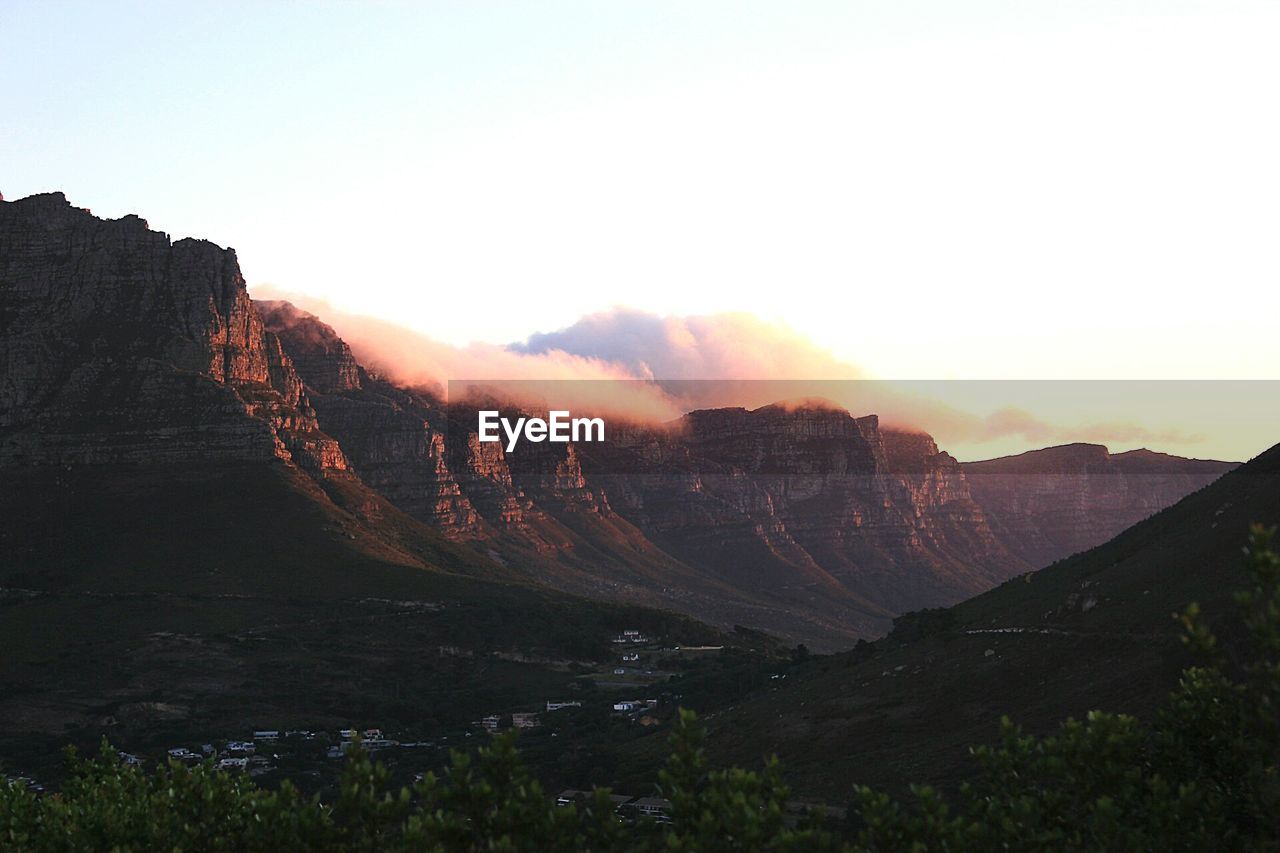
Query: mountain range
(125, 355)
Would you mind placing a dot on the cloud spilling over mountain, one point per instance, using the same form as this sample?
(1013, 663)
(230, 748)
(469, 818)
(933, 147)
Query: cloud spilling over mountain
(409, 357)
(709, 361)
(622, 343)
(756, 362)
(714, 346)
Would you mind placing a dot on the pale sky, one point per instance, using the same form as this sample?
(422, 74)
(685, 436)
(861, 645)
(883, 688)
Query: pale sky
(927, 189)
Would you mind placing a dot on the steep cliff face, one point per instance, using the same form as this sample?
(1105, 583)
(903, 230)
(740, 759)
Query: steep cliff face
(537, 509)
(947, 515)
(803, 505)
(807, 498)
(426, 458)
(1048, 504)
(118, 345)
(391, 435)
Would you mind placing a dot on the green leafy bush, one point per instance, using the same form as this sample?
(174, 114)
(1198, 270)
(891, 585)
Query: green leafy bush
(483, 802)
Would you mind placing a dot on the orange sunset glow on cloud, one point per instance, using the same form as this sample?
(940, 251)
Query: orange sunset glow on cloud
(608, 361)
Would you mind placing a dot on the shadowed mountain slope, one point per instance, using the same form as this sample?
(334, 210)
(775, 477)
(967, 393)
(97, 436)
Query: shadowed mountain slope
(1092, 631)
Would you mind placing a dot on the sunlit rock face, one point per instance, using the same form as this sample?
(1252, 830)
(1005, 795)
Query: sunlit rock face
(787, 496)
(393, 436)
(118, 345)
(802, 503)
(426, 459)
(322, 359)
(1048, 504)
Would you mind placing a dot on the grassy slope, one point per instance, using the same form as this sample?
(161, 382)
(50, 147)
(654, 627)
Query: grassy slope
(610, 558)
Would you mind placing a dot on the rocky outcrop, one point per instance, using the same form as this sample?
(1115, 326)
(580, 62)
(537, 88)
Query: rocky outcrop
(425, 459)
(947, 515)
(1048, 504)
(118, 345)
(321, 358)
(392, 435)
(807, 497)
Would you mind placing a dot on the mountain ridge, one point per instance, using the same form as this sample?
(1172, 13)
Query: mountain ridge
(121, 347)
(1057, 501)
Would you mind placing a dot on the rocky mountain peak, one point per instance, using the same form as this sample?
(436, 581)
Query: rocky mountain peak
(321, 357)
(133, 347)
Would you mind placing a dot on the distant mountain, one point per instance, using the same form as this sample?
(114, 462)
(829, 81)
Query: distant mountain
(809, 497)
(1047, 504)
(800, 519)
(804, 521)
(533, 511)
(1095, 631)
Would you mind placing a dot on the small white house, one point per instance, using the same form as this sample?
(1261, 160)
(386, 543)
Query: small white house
(556, 706)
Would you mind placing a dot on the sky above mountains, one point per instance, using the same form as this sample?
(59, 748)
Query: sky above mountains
(920, 189)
